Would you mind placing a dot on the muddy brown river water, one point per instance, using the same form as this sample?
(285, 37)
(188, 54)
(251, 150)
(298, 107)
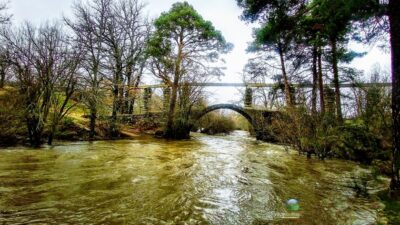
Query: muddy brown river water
(206, 180)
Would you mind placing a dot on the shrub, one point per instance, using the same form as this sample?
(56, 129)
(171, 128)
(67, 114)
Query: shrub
(356, 142)
(323, 137)
(216, 123)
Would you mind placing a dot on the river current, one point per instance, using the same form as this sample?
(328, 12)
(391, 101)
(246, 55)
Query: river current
(230, 179)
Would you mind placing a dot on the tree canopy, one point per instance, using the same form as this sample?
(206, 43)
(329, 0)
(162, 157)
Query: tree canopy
(183, 47)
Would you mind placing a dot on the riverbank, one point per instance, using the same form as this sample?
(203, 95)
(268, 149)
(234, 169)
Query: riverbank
(75, 127)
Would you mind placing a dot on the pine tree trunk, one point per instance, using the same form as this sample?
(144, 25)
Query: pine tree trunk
(336, 80)
(394, 18)
(174, 95)
(321, 82)
(315, 82)
(171, 112)
(288, 93)
(169, 132)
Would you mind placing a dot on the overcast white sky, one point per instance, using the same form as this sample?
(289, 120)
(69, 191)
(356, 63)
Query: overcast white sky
(224, 14)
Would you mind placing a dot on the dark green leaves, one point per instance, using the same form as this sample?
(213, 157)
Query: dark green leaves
(182, 27)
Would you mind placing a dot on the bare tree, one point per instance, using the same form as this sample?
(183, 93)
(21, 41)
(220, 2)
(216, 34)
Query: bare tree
(137, 30)
(66, 84)
(41, 59)
(88, 27)
(4, 66)
(124, 38)
(112, 35)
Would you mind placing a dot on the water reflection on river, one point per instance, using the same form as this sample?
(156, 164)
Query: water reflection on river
(207, 180)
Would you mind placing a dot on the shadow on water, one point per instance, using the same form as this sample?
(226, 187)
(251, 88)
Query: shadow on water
(207, 180)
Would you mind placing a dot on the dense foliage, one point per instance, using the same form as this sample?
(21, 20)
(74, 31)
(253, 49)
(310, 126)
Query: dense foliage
(310, 39)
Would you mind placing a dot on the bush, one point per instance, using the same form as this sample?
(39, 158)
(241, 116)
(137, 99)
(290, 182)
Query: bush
(323, 137)
(356, 142)
(216, 123)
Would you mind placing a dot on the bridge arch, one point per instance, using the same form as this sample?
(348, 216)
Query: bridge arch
(233, 107)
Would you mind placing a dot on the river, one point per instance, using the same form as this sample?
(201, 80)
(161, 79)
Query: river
(206, 180)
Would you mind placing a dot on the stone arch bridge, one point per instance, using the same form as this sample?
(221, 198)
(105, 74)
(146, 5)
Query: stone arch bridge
(260, 119)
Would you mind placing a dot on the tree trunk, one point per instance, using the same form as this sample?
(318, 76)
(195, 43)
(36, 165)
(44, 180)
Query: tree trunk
(93, 103)
(30, 127)
(288, 93)
(121, 93)
(2, 77)
(35, 132)
(394, 18)
(33, 122)
(171, 112)
(174, 94)
(128, 101)
(315, 82)
(131, 105)
(93, 117)
(51, 134)
(336, 80)
(113, 123)
(37, 137)
(59, 114)
(137, 82)
(321, 82)
(116, 99)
